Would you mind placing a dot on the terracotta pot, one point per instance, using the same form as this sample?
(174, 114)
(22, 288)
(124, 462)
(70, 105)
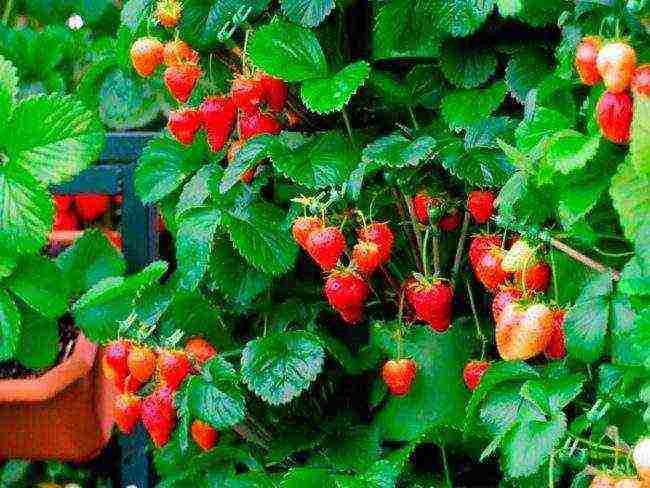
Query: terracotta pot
(65, 414)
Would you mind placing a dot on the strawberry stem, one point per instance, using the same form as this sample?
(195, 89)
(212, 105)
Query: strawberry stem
(587, 261)
(348, 127)
(7, 12)
(414, 223)
(479, 332)
(425, 257)
(555, 288)
(459, 249)
(435, 249)
(402, 214)
(446, 466)
(413, 119)
(551, 467)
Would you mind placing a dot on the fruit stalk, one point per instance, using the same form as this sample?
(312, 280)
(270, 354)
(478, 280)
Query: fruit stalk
(414, 223)
(402, 215)
(460, 247)
(586, 260)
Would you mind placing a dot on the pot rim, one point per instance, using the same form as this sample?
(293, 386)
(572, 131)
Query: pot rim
(55, 380)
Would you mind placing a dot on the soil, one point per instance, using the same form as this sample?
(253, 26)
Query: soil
(68, 334)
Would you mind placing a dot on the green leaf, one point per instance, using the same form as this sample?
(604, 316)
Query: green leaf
(194, 242)
(463, 108)
(438, 395)
(585, 324)
(251, 153)
(89, 260)
(319, 161)
(8, 88)
(569, 150)
(387, 86)
(525, 70)
(478, 167)
(216, 396)
(521, 200)
(26, 210)
(196, 191)
(309, 13)
(38, 282)
(635, 279)
(462, 17)
(489, 131)
(630, 333)
(341, 448)
(66, 139)
(508, 8)
(127, 101)
(279, 367)
(10, 327)
(258, 235)
(164, 165)
(530, 443)
(287, 51)
(538, 130)
(467, 65)
(396, 151)
(640, 135)
(39, 340)
(100, 310)
(325, 95)
(631, 198)
(135, 12)
(231, 275)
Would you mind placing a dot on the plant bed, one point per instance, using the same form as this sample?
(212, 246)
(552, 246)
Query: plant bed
(65, 413)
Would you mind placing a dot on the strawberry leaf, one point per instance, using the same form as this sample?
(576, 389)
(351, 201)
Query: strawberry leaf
(66, 139)
(325, 95)
(585, 324)
(464, 108)
(164, 165)
(279, 367)
(251, 153)
(640, 143)
(537, 131)
(287, 51)
(196, 191)
(462, 17)
(631, 199)
(308, 13)
(10, 327)
(467, 65)
(8, 89)
(569, 150)
(396, 151)
(38, 282)
(525, 70)
(26, 211)
(509, 8)
(216, 396)
(635, 279)
(39, 340)
(478, 167)
(194, 242)
(258, 235)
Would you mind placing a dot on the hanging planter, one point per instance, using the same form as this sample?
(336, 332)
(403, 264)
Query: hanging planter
(65, 414)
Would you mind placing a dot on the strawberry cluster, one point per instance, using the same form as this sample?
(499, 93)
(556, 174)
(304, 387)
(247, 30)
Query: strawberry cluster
(613, 63)
(73, 212)
(130, 366)
(251, 108)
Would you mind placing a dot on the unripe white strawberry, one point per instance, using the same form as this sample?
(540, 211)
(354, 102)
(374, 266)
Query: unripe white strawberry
(518, 257)
(641, 456)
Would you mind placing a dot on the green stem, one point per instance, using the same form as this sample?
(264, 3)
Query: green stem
(459, 249)
(435, 250)
(7, 12)
(413, 119)
(346, 119)
(554, 271)
(613, 254)
(425, 257)
(595, 445)
(479, 332)
(446, 466)
(232, 354)
(414, 222)
(551, 465)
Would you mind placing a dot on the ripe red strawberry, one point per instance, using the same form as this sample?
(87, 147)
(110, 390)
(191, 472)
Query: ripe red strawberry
(399, 375)
(247, 93)
(173, 367)
(380, 234)
(183, 124)
(200, 350)
(422, 202)
(146, 55)
(432, 303)
(556, 348)
(65, 220)
(585, 60)
(451, 221)
(488, 269)
(91, 206)
(615, 116)
(159, 415)
(346, 293)
(325, 245)
(142, 363)
(615, 63)
(473, 372)
(218, 118)
(255, 123)
(178, 51)
(131, 384)
(366, 257)
(168, 13)
(127, 411)
(641, 81)
(115, 358)
(523, 332)
(274, 91)
(181, 78)
(63, 202)
(480, 244)
(481, 205)
(204, 434)
(302, 227)
(535, 277)
(504, 297)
